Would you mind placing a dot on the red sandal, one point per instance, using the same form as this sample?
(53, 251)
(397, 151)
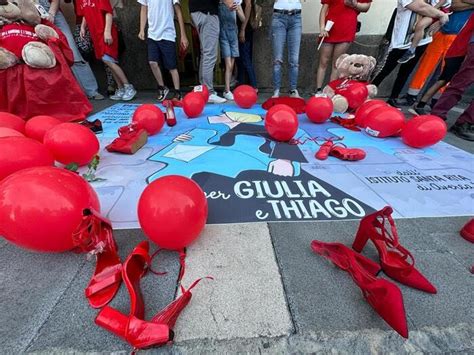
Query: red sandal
(134, 329)
(396, 261)
(95, 236)
(324, 150)
(349, 154)
(384, 296)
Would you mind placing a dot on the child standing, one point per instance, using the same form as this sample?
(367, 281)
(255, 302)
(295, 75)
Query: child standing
(161, 40)
(97, 16)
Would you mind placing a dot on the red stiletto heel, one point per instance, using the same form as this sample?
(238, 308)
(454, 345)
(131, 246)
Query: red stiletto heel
(95, 235)
(136, 331)
(397, 262)
(384, 296)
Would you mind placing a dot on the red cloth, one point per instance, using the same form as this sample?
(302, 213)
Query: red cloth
(297, 104)
(15, 36)
(460, 44)
(94, 12)
(28, 92)
(345, 21)
(342, 83)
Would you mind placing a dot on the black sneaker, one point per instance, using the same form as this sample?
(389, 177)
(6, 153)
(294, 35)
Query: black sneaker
(162, 93)
(409, 100)
(464, 131)
(394, 102)
(406, 57)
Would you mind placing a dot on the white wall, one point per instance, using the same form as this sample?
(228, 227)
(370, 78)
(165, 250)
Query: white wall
(374, 22)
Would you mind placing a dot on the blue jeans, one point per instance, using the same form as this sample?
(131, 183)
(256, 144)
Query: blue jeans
(286, 28)
(244, 63)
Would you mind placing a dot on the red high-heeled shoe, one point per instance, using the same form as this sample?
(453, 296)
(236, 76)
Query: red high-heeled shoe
(384, 296)
(396, 261)
(134, 329)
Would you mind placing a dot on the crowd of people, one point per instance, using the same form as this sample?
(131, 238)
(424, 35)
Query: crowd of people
(422, 34)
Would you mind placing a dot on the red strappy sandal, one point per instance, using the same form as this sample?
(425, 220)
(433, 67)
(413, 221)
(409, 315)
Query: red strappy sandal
(324, 150)
(396, 261)
(384, 296)
(349, 154)
(134, 329)
(95, 236)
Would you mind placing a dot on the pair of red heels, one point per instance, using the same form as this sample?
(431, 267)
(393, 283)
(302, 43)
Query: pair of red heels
(397, 262)
(339, 151)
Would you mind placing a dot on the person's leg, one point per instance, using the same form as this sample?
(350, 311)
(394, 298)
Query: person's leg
(209, 37)
(229, 67)
(419, 33)
(460, 82)
(239, 62)
(325, 55)
(339, 49)
(126, 90)
(81, 69)
(249, 61)
(154, 60)
(170, 63)
(279, 24)
(390, 64)
(294, 42)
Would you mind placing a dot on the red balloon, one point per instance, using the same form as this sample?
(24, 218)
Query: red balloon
(281, 123)
(172, 211)
(203, 90)
(9, 132)
(36, 127)
(319, 109)
(366, 108)
(12, 121)
(245, 96)
(384, 121)
(72, 143)
(18, 153)
(149, 117)
(40, 208)
(193, 104)
(424, 131)
(355, 93)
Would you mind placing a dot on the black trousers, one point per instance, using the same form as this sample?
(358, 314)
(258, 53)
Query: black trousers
(404, 71)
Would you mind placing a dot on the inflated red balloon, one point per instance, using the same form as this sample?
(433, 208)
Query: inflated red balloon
(384, 122)
(9, 132)
(366, 108)
(149, 117)
(40, 208)
(281, 123)
(203, 90)
(245, 96)
(356, 94)
(36, 127)
(72, 143)
(18, 153)
(193, 104)
(424, 131)
(12, 121)
(172, 211)
(319, 109)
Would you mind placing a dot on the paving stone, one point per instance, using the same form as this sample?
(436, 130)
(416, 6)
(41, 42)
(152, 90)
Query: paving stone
(246, 298)
(71, 327)
(31, 284)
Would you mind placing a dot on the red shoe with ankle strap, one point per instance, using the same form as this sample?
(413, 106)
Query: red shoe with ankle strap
(349, 154)
(396, 261)
(134, 329)
(467, 232)
(129, 141)
(384, 296)
(324, 150)
(95, 236)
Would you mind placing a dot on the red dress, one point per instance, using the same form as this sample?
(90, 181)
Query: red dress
(94, 11)
(345, 21)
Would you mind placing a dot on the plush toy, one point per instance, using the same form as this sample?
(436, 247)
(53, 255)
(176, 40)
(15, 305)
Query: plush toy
(23, 37)
(352, 88)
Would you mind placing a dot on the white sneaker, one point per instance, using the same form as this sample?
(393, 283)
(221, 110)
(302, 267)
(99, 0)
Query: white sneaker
(129, 92)
(276, 94)
(229, 95)
(216, 99)
(118, 94)
(294, 93)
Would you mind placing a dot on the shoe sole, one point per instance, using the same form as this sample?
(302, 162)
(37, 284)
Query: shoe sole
(129, 99)
(404, 62)
(412, 111)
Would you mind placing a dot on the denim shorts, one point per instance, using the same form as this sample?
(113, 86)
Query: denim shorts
(162, 52)
(228, 37)
(108, 58)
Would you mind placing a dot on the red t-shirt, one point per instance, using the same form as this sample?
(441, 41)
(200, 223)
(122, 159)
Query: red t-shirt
(345, 21)
(94, 11)
(459, 46)
(15, 36)
(341, 85)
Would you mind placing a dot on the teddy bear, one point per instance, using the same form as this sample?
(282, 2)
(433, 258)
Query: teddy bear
(354, 71)
(23, 37)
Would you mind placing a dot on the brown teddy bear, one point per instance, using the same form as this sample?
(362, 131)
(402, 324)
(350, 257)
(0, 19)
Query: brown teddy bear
(353, 69)
(23, 37)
